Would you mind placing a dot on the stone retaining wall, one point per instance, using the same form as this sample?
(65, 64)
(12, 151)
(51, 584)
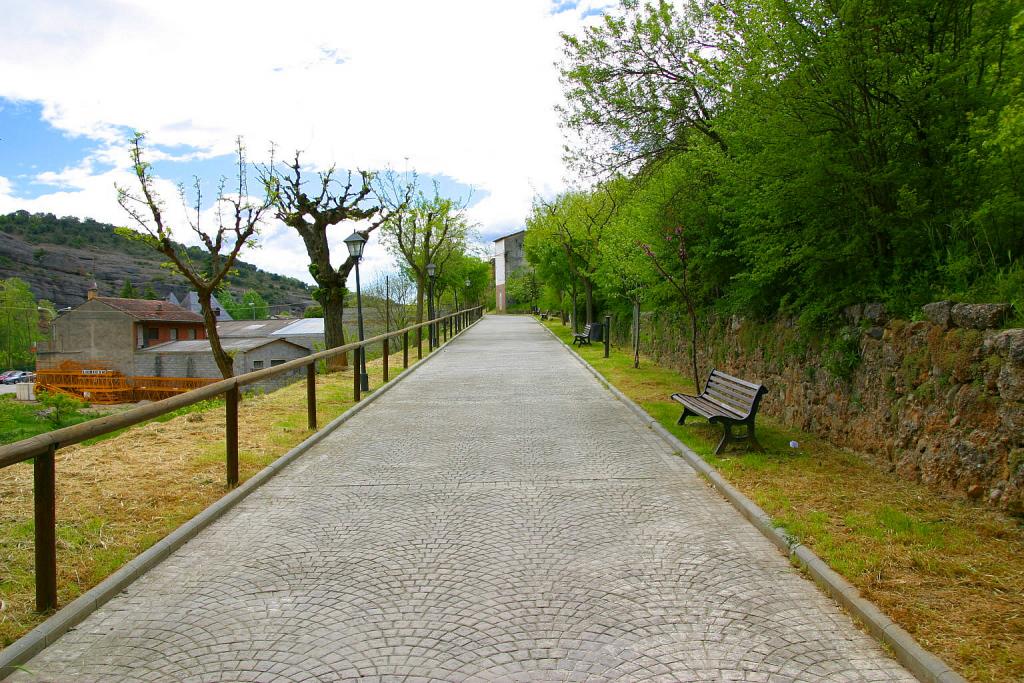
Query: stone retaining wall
(939, 400)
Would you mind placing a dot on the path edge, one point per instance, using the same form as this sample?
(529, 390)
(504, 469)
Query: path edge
(45, 634)
(924, 665)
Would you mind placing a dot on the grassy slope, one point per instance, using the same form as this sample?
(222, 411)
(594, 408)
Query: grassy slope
(950, 573)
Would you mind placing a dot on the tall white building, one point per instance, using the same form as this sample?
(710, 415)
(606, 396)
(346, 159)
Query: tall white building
(508, 258)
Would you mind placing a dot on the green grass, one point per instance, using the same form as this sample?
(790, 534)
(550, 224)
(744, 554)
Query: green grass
(949, 572)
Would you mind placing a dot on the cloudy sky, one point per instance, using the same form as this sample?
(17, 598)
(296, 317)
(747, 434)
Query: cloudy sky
(462, 91)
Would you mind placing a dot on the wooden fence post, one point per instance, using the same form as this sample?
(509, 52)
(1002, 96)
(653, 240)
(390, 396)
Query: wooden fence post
(231, 434)
(44, 485)
(405, 350)
(386, 360)
(311, 395)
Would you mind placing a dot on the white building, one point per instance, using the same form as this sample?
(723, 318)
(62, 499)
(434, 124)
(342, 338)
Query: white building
(508, 258)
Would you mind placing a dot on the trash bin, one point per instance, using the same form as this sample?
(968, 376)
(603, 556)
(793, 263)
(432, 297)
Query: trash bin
(596, 331)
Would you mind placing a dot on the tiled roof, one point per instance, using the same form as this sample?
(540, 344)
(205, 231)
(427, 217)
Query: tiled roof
(144, 309)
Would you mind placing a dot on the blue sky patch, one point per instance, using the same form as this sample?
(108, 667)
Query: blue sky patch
(30, 146)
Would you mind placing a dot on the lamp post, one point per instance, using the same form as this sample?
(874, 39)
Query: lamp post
(355, 243)
(431, 332)
(466, 297)
(252, 309)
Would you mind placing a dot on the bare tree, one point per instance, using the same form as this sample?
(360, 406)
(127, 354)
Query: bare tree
(330, 202)
(390, 296)
(238, 219)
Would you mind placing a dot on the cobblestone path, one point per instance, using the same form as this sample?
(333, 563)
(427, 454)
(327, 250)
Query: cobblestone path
(498, 515)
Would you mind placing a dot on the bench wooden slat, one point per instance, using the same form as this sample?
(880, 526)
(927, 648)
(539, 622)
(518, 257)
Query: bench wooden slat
(738, 389)
(739, 409)
(743, 382)
(708, 408)
(741, 404)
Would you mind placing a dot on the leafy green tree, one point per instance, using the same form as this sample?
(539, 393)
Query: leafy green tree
(315, 311)
(23, 322)
(128, 290)
(423, 230)
(522, 288)
(252, 307)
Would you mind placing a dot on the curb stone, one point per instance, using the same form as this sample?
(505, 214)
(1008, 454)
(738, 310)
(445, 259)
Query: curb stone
(921, 663)
(72, 614)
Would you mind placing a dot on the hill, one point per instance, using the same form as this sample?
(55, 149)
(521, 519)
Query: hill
(61, 257)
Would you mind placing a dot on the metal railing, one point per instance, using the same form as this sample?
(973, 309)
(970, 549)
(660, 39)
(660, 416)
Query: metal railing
(42, 449)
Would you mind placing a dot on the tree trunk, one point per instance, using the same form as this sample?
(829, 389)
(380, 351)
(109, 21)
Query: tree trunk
(420, 294)
(332, 300)
(588, 291)
(225, 363)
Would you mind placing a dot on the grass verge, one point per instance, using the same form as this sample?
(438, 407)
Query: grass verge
(123, 493)
(950, 573)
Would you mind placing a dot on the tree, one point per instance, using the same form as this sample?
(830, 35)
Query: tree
(23, 322)
(149, 293)
(422, 231)
(389, 295)
(311, 214)
(128, 290)
(238, 219)
(253, 307)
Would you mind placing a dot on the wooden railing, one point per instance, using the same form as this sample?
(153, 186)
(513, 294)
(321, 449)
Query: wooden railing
(42, 449)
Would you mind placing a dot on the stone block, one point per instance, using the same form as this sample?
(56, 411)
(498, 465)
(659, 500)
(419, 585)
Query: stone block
(939, 313)
(1009, 344)
(875, 313)
(979, 316)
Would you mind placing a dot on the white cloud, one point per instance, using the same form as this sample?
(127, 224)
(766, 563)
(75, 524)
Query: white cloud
(464, 88)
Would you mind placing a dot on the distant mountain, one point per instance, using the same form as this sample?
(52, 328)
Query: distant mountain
(61, 257)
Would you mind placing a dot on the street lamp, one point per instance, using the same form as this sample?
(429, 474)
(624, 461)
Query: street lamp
(252, 309)
(468, 283)
(355, 243)
(432, 333)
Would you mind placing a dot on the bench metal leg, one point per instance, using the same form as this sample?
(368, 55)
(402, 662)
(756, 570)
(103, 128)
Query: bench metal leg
(682, 418)
(754, 443)
(726, 437)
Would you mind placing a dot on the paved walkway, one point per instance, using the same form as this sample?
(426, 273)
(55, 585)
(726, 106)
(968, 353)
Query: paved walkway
(498, 515)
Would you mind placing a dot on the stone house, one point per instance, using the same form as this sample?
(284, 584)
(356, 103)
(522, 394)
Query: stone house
(195, 359)
(107, 331)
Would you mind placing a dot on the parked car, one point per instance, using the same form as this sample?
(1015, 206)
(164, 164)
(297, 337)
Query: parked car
(8, 373)
(18, 376)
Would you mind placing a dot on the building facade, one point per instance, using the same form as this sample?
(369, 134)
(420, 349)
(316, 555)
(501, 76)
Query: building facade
(107, 331)
(508, 258)
(194, 359)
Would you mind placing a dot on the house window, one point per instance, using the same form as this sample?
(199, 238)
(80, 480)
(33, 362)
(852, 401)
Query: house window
(191, 333)
(276, 362)
(152, 334)
(174, 334)
(257, 365)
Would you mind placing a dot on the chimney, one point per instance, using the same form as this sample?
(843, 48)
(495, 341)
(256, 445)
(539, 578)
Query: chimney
(93, 291)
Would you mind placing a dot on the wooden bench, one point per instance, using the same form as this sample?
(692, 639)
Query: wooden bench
(726, 400)
(544, 316)
(583, 337)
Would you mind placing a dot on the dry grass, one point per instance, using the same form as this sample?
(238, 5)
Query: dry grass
(949, 572)
(117, 497)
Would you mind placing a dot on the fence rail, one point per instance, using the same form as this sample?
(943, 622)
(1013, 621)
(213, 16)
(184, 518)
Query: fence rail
(42, 449)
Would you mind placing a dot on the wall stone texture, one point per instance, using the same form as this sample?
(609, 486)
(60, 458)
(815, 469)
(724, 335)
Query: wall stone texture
(938, 400)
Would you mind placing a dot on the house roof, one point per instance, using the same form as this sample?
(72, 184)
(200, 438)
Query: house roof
(251, 328)
(242, 344)
(143, 309)
(511, 234)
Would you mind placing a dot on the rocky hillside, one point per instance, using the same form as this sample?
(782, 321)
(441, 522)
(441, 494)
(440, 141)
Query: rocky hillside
(61, 257)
